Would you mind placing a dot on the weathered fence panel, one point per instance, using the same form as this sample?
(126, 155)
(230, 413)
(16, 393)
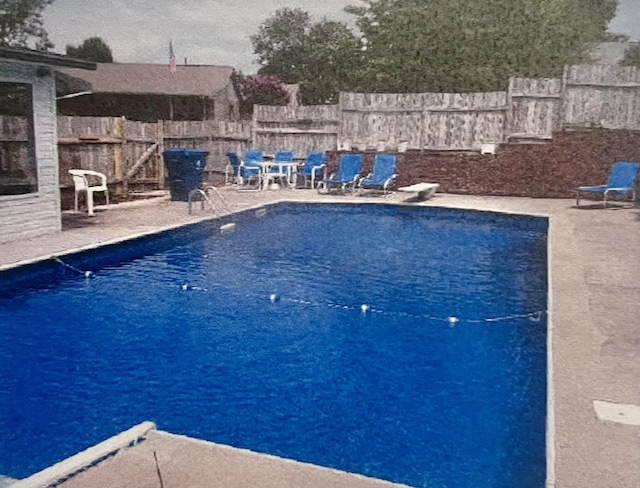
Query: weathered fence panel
(424, 121)
(88, 143)
(130, 153)
(533, 109)
(601, 96)
(462, 120)
(138, 137)
(370, 119)
(216, 137)
(299, 129)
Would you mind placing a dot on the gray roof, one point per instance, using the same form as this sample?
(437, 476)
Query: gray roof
(133, 78)
(610, 52)
(39, 57)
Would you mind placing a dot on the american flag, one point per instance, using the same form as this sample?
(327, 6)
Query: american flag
(172, 59)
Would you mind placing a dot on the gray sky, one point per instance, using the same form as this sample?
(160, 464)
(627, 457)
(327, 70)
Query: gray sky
(204, 31)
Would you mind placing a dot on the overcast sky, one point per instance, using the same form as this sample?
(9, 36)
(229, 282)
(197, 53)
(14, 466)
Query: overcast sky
(204, 31)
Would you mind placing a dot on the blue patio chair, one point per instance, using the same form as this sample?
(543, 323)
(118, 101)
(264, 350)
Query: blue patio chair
(231, 170)
(250, 169)
(283, 156)
(621, 183)
(383, 175)
(347, 176)
(313, 169)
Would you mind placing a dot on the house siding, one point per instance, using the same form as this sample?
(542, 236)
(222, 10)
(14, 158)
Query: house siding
(25, 216)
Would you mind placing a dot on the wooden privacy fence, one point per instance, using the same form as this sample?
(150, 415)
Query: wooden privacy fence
(529, 111)
(130, 153)
(301, 129)
(426, 120)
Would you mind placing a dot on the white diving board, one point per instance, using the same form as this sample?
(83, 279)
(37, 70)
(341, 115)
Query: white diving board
(423, 191)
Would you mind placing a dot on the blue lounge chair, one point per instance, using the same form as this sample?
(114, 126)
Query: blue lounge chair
(347, 176)
(231, 170)
(313, 169)
(383, 175)
(249, 169)
(621, 183)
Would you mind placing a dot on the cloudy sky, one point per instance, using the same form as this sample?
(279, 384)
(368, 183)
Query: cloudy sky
(204, 31)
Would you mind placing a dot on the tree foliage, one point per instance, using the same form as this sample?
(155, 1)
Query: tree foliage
(632, 56)
(259, 90)
(333, 63)
(279, 44)
(322, 57)
(21, 24)
(474, 45)
(92, 49)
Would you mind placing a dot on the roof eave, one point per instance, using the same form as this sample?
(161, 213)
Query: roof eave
(30, 56)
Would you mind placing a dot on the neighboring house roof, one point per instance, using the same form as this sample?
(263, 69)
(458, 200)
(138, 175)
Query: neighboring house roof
(611, 52)
(38, 57)
(66, 84)
(134, 78)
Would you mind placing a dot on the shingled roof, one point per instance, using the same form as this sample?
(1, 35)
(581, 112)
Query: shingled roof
(133, 78)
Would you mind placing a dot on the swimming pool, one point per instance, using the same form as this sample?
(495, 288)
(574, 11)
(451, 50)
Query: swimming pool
(258, 339)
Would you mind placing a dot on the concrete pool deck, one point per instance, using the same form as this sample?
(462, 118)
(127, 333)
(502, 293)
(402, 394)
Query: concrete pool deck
(594, 375)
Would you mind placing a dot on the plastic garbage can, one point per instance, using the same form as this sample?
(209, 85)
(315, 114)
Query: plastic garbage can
(185, 168)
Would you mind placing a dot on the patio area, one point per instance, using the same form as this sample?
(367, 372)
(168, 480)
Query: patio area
(594, 345)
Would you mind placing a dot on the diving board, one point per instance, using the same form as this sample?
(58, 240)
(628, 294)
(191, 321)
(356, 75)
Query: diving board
(423, 191)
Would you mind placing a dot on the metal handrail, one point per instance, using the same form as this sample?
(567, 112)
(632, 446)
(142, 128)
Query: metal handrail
(205, 194)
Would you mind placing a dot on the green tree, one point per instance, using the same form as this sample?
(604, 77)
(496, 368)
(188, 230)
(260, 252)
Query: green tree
(322, 57)
(632, 56)
(21, 24)
(279, 44)
(333, 63)
(474, 45)
(92, 49)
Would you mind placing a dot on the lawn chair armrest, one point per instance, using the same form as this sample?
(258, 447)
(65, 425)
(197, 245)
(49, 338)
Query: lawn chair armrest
(316, 168)
(101, 176)
(389, 181)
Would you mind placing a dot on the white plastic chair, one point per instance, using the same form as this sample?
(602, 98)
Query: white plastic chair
(82, 185)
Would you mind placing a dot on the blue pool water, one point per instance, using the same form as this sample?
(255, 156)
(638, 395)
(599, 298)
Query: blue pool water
(182, 330)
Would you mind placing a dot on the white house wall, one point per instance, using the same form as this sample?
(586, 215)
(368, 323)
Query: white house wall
(25, 216)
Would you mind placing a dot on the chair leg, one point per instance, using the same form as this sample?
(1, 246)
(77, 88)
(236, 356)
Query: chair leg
(89, 202)
(106, 195)
(578, 199)
(75, 206)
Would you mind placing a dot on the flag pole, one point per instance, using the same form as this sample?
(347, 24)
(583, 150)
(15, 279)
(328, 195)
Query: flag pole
(172, 70)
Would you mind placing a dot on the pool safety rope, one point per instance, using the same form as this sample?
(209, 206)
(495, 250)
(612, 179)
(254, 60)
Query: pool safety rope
(365, 309)
(86, 274)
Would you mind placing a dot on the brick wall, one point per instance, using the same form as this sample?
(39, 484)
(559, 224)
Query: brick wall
(572, 158)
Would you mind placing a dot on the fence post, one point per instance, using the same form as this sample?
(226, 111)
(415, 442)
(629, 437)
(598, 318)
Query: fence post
(117, 128)
(508, 116)
(159, 160)
(254, 126)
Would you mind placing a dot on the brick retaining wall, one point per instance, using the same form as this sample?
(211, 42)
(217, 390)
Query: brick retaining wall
(573, 158)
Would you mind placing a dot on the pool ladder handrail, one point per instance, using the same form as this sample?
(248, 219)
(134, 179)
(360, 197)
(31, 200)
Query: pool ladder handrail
(205, 194)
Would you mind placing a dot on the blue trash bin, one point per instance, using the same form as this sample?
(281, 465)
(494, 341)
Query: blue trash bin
(185, 168)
